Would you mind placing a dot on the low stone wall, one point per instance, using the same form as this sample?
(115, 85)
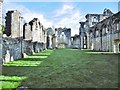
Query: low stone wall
(27, 47)
(16, 48)
(11, 49)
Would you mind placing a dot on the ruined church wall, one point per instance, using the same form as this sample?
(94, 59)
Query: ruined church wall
(11, 49)
(107, 42)
(76, 43)
(27, 47)
(16, 48)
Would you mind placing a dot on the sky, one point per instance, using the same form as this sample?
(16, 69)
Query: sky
(59, 14)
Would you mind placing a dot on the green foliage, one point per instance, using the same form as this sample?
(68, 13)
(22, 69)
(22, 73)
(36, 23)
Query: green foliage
(3, 28)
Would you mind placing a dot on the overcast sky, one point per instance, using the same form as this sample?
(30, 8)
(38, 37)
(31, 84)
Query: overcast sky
(59, 14)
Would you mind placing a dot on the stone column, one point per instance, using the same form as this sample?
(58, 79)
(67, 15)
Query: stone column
(21, 35)
(93, 44)
(1, 59)
(45, 40)
(116, 45)
(82, 42)
(56, 42)
(50, 41)
(88, 41)
(115, 48)
(1, 49)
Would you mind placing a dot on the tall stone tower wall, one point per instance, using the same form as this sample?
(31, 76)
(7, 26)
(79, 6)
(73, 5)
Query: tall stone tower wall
(14, 24)
(0, 32)
(0, 17)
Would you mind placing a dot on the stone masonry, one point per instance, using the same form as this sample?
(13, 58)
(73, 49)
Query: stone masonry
(91, 20)
(63, 37)
(105, 35)
(14, 24)
(22, 38)
(75, 41)
(101, 33)
(0, 33)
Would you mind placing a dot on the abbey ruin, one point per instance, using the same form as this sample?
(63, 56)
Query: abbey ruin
(99, 32)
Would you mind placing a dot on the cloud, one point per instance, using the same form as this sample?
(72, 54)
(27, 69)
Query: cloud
(68, 16)
(30, 16)
(26, 13)
(65, 10)
(65, 16)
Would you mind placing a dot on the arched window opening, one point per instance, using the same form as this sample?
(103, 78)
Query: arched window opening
(94, 20)
(119, 47)
(97, 33)
(116, 26)
(104, 30)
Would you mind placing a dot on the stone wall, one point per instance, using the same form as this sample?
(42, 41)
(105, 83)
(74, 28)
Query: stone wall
(27, 47)
(105, 33)
(16, 48)
(91, 20)
(14, 24)
(100, 32)
(106, 43)
(11, 49)
(20, 40)
(63, 37)
(75, 41)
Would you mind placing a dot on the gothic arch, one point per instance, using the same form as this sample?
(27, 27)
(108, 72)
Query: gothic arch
(85, 41)
(116, 25)
(117, 20)
(104, 29)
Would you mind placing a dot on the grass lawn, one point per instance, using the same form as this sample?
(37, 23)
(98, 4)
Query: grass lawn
(62, 68)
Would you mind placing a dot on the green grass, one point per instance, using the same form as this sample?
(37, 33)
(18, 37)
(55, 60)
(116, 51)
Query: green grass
(63, 68)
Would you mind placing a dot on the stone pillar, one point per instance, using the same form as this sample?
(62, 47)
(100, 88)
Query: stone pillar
(1, 50)
(0, 12)
(88, 41)
(56, 45)
(93, 44)
(50, 41)
(54, 42)
(1, 59)
(82, 42)
(116, 45)
(45, 40)
(115, 48)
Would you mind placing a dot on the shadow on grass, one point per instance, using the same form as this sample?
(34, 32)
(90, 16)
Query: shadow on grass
(15, 72)
(30, 59)
(40, 55)
(85, 70)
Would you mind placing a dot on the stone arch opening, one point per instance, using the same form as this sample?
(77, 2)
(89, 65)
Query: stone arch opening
(95, 19)
(85, 41)
(119, 47)
(116, 25)
(104, 29)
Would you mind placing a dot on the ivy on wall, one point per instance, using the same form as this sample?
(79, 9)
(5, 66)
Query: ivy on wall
(2, 28)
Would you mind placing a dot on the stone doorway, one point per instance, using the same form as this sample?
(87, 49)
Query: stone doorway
(116, 45)
(85, 42)
(119, 47)
(62, 46)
